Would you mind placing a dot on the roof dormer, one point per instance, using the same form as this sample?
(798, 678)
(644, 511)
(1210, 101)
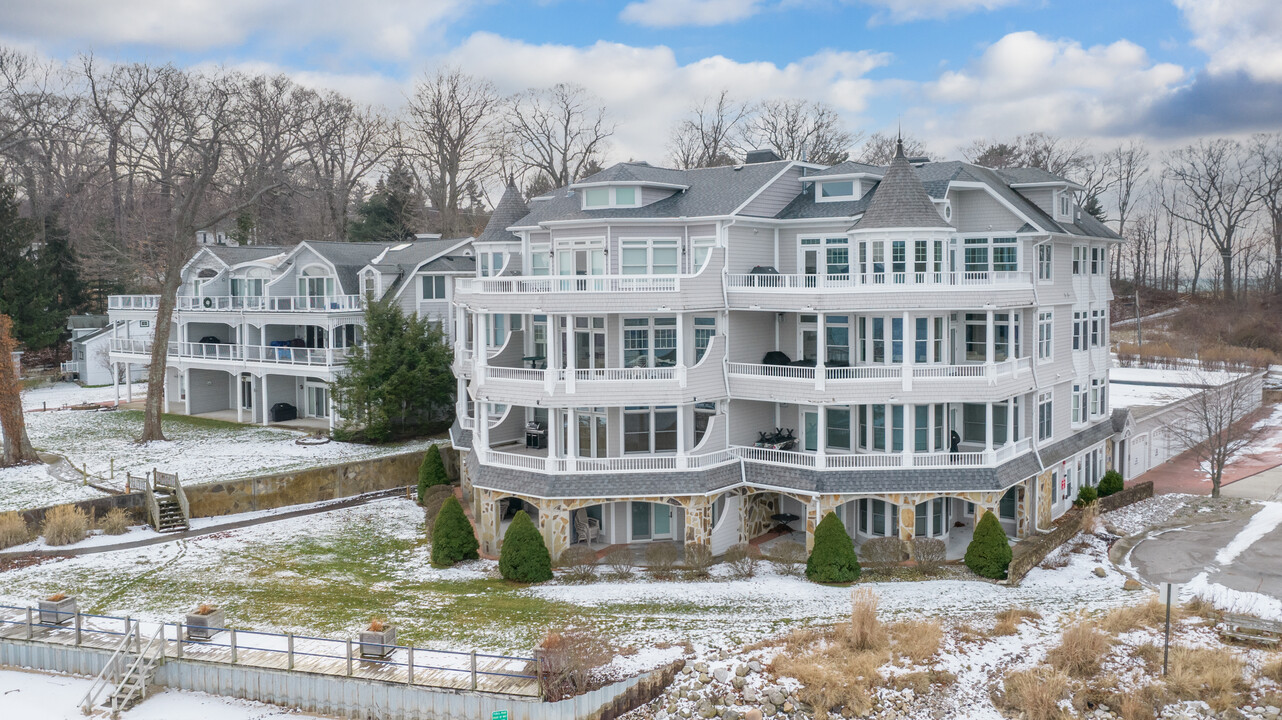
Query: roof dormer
(616, 188)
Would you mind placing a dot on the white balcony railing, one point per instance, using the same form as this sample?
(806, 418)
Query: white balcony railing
(234, 303)
(625, 464)
(72, 366)
(236, 353)
(858, 461)
(875, 281)
(856, 373)
(572, 284)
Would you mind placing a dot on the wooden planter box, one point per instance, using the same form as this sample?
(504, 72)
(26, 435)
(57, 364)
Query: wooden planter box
(57, 612)
(378, 643)
(204, 627)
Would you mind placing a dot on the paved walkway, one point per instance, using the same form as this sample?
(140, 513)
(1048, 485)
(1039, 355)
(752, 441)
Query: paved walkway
(1182, 473)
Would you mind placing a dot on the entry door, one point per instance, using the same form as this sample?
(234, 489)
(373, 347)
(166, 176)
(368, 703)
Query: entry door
(592, 432)
(651, 521)
(811, 429)
(247, 393)
(810, 261)
(317, 401)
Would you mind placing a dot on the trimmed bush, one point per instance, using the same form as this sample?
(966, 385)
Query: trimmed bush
(453, 539)
(883, 551)
(432, 501)
(524, 557)
(431, 473)
(833, 558)
(1111, 483)
(65, 524)
(988, 554)
(929, 553)
(1086, 496)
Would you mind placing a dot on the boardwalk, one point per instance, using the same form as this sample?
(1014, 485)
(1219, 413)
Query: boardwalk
(416, 666)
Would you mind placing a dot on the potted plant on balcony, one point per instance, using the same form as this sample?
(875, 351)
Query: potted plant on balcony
(57, 609)
(378, 640)
(205, 622)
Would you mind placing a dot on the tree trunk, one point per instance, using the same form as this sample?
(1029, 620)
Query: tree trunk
(1226, 260)
(1277, 251)
(155, 404)
(17, 447)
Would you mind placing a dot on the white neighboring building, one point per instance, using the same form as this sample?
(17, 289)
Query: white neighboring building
(91, 362)
(259, 332)
(704, 355)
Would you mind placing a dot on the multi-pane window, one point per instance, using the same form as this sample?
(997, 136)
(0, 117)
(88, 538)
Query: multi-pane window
(650, 257)
(1044, 416)
(704, 330)
(976, 255)
(650, 429)
(650, 342)
(1005, 254)
(703, 414)
(1079, 259)
(1096, 409)
(540, 261)
(1097, 261)
(433, 287)
(838, 428)
(1077, 404)
(1045, 261)
(1045, 327)
(1002, 251)
(701, 248)
(1097, 327)
(1079, 330)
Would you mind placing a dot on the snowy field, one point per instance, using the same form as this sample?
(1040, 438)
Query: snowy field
(198, 450)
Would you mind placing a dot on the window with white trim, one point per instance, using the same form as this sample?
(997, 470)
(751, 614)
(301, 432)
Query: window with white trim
(433, 287)
(704, 329)
(650, 257)
(1003, 252)
(1045, 422)
(700, 249)
(1077, 404)
(1079, 330)
(1096, 408)
(650, 342)
(596, 198)
(1066, 204)
(1097, 324)
(834, 190)
(1045, 261)
(1045, 329)
(1079, 259)
(1097, 261)
(650, 429)
(540, 260)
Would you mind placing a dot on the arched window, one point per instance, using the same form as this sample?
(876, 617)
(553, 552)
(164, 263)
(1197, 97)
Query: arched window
(316, 283)
(249, 282)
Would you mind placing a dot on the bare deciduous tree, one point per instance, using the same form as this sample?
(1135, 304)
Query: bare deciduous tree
(1218, 191)
(1213, 423)
(348, 143)
(706, 138)
(1058, 156)
(450, 136)
(880, 148)
(1267, 149)
(560, 131)
(800, 130)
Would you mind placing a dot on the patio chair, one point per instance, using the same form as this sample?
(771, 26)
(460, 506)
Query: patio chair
(587, 528)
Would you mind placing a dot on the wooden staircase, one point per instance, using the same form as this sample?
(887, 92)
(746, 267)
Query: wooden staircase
(166, 501)
(127, 675)
(169, 512)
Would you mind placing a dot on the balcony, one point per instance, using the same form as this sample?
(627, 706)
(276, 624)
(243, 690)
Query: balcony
(834, 292)
(540, 462)
(234, 303)
(140, 350)
(676, 384)
(883, 461)
(874, 383)
(594, 293)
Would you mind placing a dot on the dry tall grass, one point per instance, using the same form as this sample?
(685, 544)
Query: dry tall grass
(865, 631)
(1008, 620)
(1150, 614)
(1212, 675)
(13, 530)
(1080, 650)
(1150, 654)
(65, 524)
(115, 522)
(1036, 693)
(1273, 669)
(917, 640)
(1142, 703)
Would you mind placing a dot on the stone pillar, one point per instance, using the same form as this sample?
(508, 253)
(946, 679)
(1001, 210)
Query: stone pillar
(554, 525)
(1023, 508)
(812, 522)
(698, 519)
(487, 522)
(1045, 498)
(907, 517)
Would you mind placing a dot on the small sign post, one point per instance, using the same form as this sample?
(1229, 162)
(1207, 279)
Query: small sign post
(498, 715)
(1169, 593)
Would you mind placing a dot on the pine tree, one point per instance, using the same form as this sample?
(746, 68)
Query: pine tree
(989, 553)
(60, 266)
(832, 560)
(432, 472)
(524, 557)
(26, 295)
(392, 213)
(453, 539)
(399, 383)
(1111, 483)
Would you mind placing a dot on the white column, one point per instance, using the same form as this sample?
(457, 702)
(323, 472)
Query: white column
(821, 351)
(262, 390)
(990, 344)
(184, 381)
(115, 380)
(822, 444)
(129, 382)
(554, 433)
(571, 356)
(988, 427)
(1011, 348)
(910, 348)
(571, 432)
(235, 397)
(681, 434)
(910, 434)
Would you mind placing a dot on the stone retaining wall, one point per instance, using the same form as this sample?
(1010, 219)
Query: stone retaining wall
(1028, 553)
(133, 503)
(307, 485)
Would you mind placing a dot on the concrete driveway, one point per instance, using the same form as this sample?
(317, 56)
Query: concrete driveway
(1242, 553)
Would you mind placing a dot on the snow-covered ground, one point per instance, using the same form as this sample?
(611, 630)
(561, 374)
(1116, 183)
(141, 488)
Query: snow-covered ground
(57, 697)
(59, 394)
(29, 486)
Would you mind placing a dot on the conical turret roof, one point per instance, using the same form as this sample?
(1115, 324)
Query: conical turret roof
(900, 200)
(508, 212)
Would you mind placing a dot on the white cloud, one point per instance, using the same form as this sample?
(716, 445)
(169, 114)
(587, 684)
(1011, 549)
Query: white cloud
(647, 90)
(900, 11)
(378, 28)
(1026, 82)
(1238, 35)
(675, 13)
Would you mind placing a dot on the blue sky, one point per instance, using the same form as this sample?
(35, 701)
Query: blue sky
(952, 70)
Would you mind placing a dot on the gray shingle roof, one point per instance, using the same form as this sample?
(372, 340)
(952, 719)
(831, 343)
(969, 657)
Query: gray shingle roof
(510, 209)
(712, 191)
(849, 167)
(1020, 175)
(235, 254)
(900, 200)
